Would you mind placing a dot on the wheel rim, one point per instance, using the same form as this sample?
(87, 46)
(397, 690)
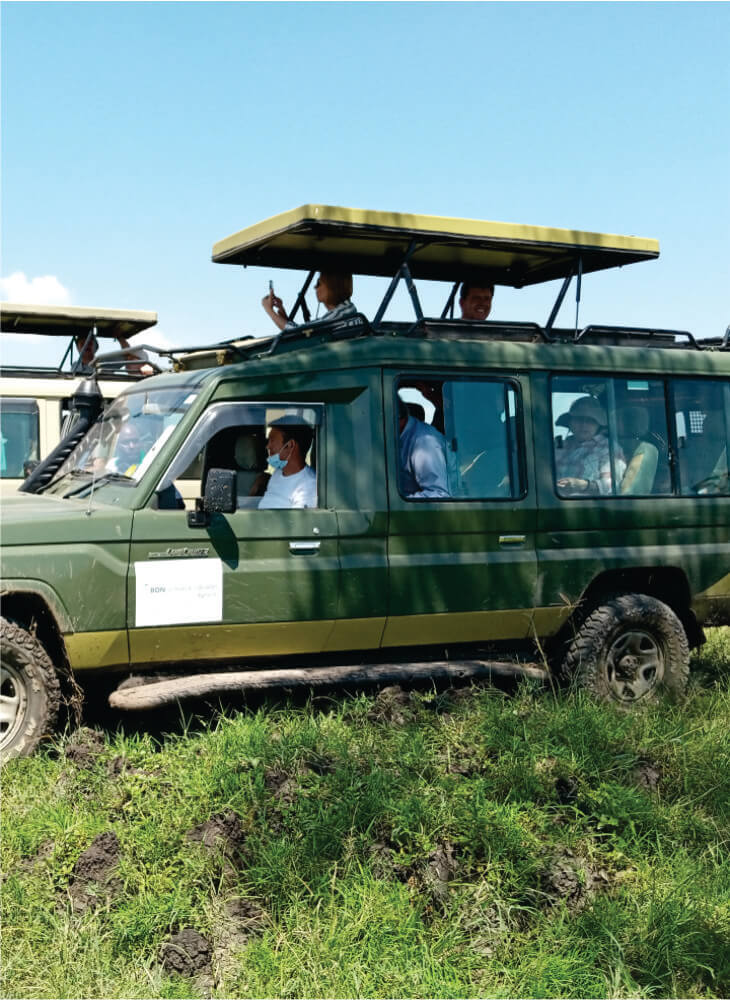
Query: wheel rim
(13, 704)
(634, 665)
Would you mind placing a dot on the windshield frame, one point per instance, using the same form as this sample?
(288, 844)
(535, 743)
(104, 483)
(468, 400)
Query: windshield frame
(190, 398)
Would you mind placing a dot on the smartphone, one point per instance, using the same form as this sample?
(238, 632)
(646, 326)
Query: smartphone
(271, 287)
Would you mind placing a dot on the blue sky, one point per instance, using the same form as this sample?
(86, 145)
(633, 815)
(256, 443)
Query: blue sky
(136, 135)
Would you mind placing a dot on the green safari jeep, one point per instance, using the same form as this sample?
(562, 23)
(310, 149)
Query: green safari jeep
(471, 486)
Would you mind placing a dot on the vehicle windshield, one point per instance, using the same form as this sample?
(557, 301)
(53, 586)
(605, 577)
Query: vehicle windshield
(122, 444)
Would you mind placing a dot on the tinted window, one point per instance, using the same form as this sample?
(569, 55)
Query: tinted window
(610, 436)
(18, 436)
(700, 414)
(459, 440)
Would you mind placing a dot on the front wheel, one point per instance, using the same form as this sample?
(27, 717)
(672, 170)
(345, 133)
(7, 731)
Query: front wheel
(30, 694)
(629, 650)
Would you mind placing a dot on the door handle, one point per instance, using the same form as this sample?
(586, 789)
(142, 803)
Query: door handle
(303, 548)
(511, 539)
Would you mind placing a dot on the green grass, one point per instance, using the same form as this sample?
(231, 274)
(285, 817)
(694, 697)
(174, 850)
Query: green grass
(587, 850)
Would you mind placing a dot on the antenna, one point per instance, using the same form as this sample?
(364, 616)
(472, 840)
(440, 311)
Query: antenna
(577, 292)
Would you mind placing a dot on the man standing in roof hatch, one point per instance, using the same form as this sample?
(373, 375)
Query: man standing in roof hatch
(476, 300)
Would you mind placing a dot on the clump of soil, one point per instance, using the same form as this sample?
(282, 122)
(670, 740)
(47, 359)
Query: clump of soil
(441, 868)
(242, 919)
(84, 748)
(647, 774)
(571, 880)
(282, 785)
(221, 832)
(188, 953)
(391, 706)
(91, 878)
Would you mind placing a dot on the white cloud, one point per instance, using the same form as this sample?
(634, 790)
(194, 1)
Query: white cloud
(45, 290)
(153, 337)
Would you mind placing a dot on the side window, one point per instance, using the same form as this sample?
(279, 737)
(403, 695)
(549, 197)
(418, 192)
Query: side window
(271, 448)
(458, 439)
(19, 429)
(610, 436)
(700, 415)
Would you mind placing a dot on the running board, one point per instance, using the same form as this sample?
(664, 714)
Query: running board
(147, 696)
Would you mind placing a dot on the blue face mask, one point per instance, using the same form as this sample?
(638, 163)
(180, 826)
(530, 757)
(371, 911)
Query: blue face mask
(277, 462)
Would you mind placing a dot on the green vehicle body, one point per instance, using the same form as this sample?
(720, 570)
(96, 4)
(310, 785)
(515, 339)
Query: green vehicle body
(388, 571)
(370, 570)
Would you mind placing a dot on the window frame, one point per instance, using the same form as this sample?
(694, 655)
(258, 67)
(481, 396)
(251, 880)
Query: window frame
(507, 381)
(208, 425)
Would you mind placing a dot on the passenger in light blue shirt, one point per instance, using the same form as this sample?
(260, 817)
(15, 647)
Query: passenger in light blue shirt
(423, 469)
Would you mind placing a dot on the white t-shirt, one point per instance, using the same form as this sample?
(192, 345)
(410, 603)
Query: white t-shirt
(299, 490)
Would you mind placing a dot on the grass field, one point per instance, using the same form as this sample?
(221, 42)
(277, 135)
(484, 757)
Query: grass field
(473, 842)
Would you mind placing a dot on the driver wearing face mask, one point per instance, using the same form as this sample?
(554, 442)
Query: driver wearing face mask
(293, 483)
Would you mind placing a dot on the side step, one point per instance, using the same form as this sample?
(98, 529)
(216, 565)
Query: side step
(154, 695)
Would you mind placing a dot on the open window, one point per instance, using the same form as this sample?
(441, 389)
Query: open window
(460, 439)
(233, 436)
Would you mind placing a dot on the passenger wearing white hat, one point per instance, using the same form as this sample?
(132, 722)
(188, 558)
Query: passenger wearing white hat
(583, 464)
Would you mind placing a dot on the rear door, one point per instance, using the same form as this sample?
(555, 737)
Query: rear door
(461, 554)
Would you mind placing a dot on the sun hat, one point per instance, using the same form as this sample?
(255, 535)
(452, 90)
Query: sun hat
(586, 406)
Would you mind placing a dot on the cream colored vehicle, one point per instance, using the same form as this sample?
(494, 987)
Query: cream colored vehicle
(35, 401)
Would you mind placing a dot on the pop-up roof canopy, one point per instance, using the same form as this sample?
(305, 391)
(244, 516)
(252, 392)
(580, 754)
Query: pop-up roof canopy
(73, 321)
(325, 237)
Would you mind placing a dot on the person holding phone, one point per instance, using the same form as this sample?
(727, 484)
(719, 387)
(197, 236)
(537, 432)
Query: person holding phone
(333, 291)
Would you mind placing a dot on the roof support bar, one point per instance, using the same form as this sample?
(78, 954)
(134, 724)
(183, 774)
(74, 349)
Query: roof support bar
(402, 272)
(448, 311)
(576, 268)
(577, 293)
(300, 301)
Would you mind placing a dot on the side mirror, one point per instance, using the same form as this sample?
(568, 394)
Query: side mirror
(220, 497)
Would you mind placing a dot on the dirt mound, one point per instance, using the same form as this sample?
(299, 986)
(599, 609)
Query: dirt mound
(571, 880)
(391, 706)
(441, 868)
(221, 832)
(241, 920)
(282, 785)
(91, 878)
(84, 748)
(647, 774)
(188, 953)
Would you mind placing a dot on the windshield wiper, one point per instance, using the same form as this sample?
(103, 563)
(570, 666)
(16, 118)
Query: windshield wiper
(108, 477)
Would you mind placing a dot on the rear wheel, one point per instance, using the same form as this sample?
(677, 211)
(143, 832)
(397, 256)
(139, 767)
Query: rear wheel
(629, 650)
(30, 694)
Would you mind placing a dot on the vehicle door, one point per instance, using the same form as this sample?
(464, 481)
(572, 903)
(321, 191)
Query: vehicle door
(461, 548)
(255, 582)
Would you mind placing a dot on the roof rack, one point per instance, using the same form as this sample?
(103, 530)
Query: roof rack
(311, 335)
(77, 323)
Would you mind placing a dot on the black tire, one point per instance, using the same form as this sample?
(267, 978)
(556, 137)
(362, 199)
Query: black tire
(629, 650)
(30, 693)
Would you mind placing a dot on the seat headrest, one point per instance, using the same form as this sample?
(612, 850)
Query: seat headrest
(245, 451)
(633, 421)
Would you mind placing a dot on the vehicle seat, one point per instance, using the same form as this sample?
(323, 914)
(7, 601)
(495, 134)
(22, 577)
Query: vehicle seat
(245, 453)
(641, 455)
(638, 480)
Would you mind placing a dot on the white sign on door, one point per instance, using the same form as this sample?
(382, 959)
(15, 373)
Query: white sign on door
(178, 591)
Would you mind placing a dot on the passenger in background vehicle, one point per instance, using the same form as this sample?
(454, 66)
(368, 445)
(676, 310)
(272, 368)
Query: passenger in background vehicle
(476, 301)
(294, 483)
(583, 464)
(88, 348)
(333, 291)
(422, 457)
